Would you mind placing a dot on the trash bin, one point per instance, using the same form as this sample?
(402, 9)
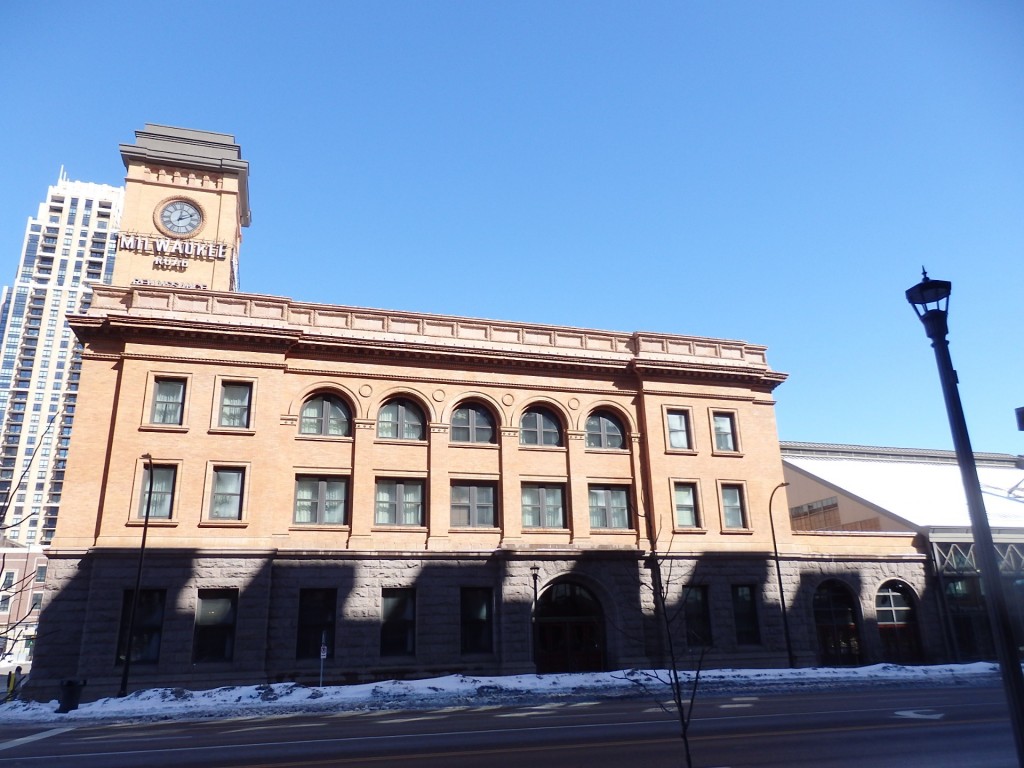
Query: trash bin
(70, 695)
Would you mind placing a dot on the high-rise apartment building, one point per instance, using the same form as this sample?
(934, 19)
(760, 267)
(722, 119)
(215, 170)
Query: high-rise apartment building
(69, 245)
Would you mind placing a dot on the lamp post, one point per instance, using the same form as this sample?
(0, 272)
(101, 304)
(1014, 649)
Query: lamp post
(930, 300)
(778, 575)
(123, 690)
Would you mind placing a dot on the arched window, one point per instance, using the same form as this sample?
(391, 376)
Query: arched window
(569, 630)
(604, 431)
(324, 415)
(400, 420)
(897, 623)
(835, 617)
(539, 426)
(472, 423)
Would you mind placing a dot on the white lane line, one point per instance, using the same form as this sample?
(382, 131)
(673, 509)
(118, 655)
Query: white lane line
(34, 737)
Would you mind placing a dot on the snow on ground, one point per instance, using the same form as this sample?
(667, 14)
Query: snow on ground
(466, 691)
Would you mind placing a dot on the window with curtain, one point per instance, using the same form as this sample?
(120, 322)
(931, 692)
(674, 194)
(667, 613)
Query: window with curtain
(687, 515)
(734, 510)
(725, 431)
(163, 491)
(399, 502)
(400, 420)
(609, 506)
(679, 430)
(324, 415)
(226, 503)
(235, 400)
(320, 500)
(214, 636)
(168, 401)
(543, 506)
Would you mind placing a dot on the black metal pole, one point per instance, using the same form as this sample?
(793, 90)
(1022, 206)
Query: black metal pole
(123, 690)
(984, 547)
(778, 575)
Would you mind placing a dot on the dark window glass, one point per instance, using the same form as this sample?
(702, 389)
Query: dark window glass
(604, 431)
(317, 611)
(149, 624)
(214, 638)
(477, 625)
(472, 424)
(398, 622)
(540, 427)
(473, 505)
(697, 616)
(744, 614)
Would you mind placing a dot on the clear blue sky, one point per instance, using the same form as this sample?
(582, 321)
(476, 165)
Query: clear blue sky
(776, 172)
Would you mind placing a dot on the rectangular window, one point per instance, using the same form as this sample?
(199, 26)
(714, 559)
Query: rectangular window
(687, 513)
(149, 624)
(399, 502)
(37, 601)
(609, 506)
(697, 616)
(734, 511)
(398, 622)
(168, 401)
(477, 620)
(744, 613)
(320, 500)
(8, 579)
(163, 492)
(235, 400)
(214, 638)
(473, 505)
(543, 506)
(317, 611)
(5, 603)
(725, 432)
(679, 430)
(40, 574)
(226, 503)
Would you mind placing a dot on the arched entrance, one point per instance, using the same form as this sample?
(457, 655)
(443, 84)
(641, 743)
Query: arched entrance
(896, 614)
(835, 620)
(568, 630)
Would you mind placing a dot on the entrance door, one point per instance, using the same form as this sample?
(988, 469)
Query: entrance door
(568, 630)
(835, 617)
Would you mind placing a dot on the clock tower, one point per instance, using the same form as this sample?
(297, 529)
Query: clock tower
(186, 201)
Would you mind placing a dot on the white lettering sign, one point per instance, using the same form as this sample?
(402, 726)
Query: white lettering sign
(205, 250)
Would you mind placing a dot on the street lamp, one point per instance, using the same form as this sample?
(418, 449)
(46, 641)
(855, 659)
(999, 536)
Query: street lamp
(778, 575)
(930, 300)
(123, 690)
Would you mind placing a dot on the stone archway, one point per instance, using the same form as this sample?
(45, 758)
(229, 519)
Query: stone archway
(836, 626)
(569, 631)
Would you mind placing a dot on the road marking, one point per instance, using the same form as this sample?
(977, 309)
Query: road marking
(920, 714)
(734, 706)
(34, 737)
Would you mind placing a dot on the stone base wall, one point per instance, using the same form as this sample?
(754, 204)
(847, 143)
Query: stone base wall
(82, 614)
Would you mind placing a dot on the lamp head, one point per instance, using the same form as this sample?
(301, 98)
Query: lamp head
(930, 300)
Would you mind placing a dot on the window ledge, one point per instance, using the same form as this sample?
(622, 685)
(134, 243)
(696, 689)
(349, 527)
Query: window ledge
(622, 451)
(731, 454)
(474, 529)
(614, 531)
(460, 444)
(531, 447)
(540, 529)
(681, 451)
(230, 431)
(325, 438)
(223, 523)
(689, 530)
(160, 523)
(399, 441)
(737, 531)
(318, 527)
(163, 428)
(406, 528)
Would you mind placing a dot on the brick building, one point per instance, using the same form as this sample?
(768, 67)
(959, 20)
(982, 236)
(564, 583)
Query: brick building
(409, 494)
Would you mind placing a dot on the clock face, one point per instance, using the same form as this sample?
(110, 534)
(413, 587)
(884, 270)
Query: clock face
(180, 217)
